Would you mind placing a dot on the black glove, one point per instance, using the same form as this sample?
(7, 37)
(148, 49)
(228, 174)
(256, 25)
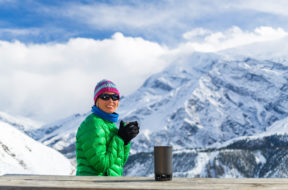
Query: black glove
(133, 129)
(128, 131)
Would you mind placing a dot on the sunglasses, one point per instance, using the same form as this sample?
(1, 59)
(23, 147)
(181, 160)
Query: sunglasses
(108, 96)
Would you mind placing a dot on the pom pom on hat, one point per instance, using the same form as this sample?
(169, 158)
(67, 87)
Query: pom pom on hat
(104, 86)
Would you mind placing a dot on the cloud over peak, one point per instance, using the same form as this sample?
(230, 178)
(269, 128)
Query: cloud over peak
(207, 41)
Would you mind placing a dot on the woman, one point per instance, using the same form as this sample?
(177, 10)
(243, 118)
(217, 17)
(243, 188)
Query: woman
(101, 148)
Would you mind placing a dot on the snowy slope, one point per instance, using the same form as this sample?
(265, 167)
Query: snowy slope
(20, 154)
(61, 135)
(277, 129)
(165, 92)
(22, 123)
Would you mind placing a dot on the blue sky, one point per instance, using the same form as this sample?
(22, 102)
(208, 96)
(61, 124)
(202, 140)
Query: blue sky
(163, 21)
(53, 52)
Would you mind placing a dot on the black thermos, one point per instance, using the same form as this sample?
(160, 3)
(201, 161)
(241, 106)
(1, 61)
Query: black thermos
(163, 163)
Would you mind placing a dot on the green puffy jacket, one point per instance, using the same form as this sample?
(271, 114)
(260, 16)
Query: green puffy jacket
(99, 150)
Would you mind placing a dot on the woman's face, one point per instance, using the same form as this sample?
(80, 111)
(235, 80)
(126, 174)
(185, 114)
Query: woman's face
(108, 106)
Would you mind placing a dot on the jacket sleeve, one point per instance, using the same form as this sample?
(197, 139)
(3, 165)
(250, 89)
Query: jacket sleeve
(126, 152)
(93, 143)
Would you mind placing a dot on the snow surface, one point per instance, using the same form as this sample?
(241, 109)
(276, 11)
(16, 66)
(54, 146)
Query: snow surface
(20, 154)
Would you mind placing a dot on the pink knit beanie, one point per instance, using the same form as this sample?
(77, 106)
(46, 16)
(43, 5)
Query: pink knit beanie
(105, 86)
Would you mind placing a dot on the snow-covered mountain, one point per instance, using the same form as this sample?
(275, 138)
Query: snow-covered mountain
(22, 123)
(208, 100)
(212, 108)
(60, 135)
(262, 155)
(20, 154)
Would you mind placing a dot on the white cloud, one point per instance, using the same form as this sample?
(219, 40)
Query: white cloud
(196, 33)
(208, 41)
(267, 6)
(142, 15)
(169, 14)
(51, 81)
